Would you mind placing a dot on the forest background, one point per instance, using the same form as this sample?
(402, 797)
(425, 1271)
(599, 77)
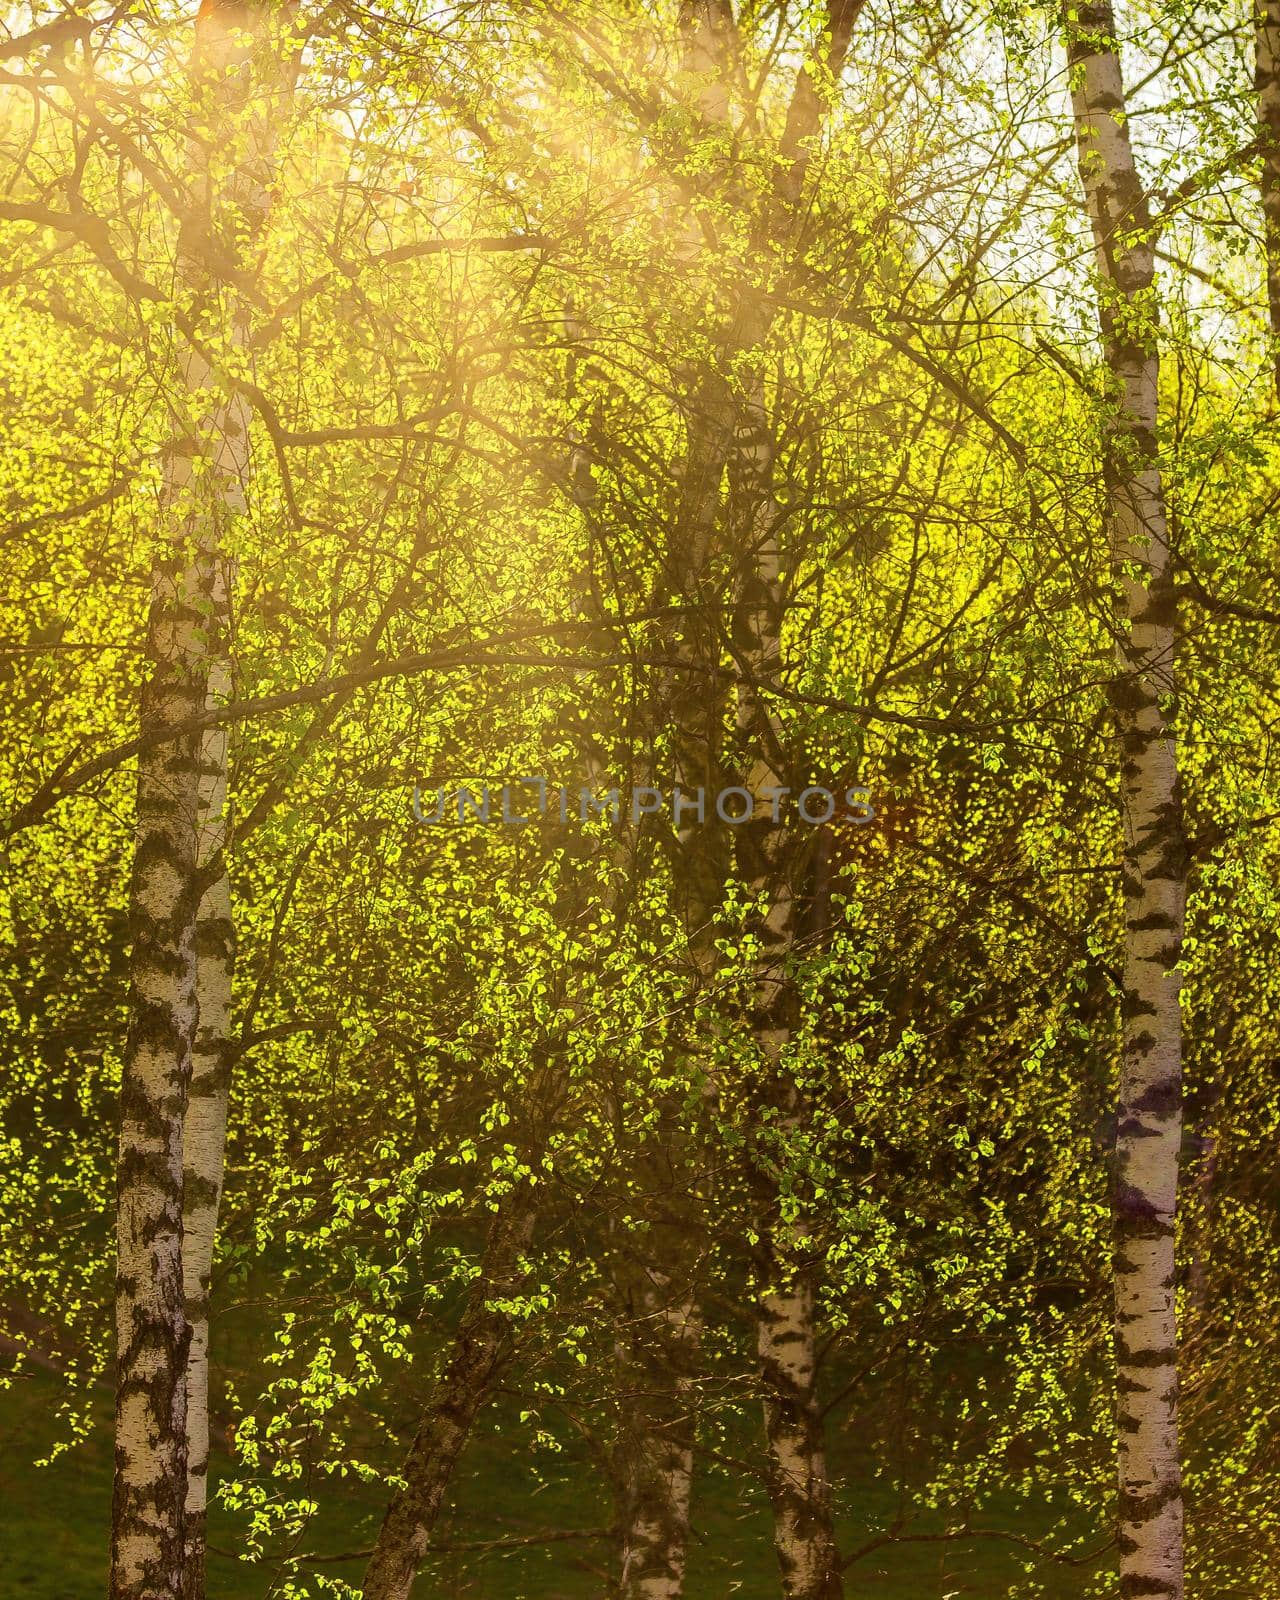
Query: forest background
(772, 396)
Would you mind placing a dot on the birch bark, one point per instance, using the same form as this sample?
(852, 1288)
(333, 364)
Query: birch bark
(659, 1366)
(728, 432)
(250, 65)
(778, 864)
(205, 1128)
(180, 937)
(1149, 1121)
(1266, 21)
(658, 1356)
(150, 1485)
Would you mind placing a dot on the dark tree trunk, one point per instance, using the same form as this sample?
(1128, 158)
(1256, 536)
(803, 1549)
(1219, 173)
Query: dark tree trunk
(481, 1349)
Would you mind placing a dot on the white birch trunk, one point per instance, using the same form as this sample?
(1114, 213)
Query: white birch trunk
(779, 866)
(658, 1369)
(205, 1130)
(151, 1331)
(1149, 1121)
(659, 1352)
(1267, 81)
(724, 431)
(181, 788)
(246, 47)
(804, 1538)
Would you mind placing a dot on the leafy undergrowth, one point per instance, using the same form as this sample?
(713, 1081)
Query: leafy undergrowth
(53, 1531)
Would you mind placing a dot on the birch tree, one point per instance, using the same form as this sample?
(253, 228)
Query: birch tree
(1149, 1114)
(660, 1351)
(778, 866)
(729, 432)
(171, 1166)
(1266, 37)
(245, 69)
